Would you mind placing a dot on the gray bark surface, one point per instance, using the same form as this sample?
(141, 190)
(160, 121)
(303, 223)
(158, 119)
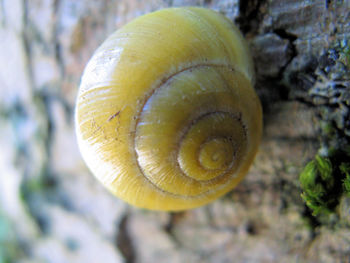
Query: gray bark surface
(53, 210)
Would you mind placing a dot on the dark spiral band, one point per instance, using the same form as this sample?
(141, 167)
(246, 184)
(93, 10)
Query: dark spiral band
(207, 144)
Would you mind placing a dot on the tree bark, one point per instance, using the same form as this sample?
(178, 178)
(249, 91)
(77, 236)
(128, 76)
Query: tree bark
(54, 210)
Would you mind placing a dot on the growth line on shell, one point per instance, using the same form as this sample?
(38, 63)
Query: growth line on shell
(138, 117)
(193, 122)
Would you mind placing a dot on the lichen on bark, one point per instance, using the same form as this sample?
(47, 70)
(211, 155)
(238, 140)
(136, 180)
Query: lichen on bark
(301, 53)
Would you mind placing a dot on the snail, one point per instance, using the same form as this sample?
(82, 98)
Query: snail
(167, 117)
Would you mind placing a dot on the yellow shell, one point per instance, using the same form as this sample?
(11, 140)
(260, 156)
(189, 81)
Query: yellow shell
(166, 115)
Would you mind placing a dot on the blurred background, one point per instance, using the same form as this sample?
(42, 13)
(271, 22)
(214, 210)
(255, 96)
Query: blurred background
(53, 210)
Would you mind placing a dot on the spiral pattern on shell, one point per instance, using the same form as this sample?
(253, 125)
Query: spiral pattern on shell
(168, 119)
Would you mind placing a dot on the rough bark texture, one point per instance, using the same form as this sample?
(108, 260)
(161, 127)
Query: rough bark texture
(53, 210)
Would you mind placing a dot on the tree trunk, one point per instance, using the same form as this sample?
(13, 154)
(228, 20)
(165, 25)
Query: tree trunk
(53, 210)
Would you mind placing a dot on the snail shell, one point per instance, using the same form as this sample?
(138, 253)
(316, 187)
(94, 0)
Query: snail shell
(166, 115)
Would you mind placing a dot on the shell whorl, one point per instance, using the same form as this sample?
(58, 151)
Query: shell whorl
(170, 128)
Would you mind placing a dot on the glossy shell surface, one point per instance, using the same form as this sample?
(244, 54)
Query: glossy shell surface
(166, 116)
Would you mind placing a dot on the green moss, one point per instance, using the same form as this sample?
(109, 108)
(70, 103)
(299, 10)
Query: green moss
(316, 180)
(345, 169)
(344, 51)
(324, 181)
